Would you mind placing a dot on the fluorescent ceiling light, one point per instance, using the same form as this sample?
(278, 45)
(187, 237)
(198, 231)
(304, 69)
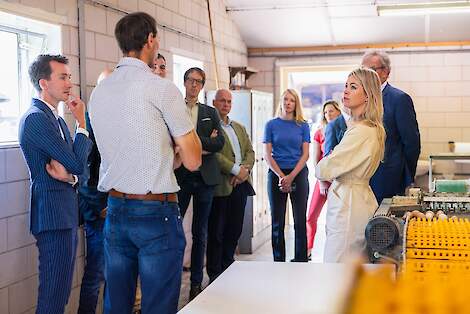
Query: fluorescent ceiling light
(424, 8)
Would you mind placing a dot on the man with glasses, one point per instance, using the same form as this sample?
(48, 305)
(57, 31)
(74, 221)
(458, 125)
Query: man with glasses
(159, 65)
(402, 145)
(200, 184)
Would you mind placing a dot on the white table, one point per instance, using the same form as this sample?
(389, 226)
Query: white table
(271, 288)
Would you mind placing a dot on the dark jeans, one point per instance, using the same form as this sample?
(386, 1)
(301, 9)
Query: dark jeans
(202, 201)
(225, 228)
(93, 275)
(278, 202)
(143, 238)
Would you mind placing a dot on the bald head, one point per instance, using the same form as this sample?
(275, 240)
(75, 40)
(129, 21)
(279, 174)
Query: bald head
(106, 72)
(223, 102)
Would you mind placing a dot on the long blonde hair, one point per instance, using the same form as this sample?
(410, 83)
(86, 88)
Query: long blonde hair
(374, 110)
(298, 112)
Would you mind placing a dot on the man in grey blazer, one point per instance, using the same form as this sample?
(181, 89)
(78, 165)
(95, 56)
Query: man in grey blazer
(200, 184)
(54, 161)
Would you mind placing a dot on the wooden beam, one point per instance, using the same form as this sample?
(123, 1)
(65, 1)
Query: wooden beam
(358, 46)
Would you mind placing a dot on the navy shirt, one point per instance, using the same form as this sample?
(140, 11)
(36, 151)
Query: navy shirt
(91, 201)
(334, 132)
(287, 138)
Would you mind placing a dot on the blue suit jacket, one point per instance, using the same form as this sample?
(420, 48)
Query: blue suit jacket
(53, 203)
(334, 132)
(402, 145)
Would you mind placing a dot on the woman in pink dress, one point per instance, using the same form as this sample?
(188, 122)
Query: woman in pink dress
(330, 112)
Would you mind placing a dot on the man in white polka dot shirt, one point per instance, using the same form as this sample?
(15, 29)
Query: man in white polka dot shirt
(136, 117)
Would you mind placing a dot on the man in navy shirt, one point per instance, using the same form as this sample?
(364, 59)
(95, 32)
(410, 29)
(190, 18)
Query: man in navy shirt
(92, 204)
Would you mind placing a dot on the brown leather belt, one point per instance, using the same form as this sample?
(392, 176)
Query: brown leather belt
(164, 197)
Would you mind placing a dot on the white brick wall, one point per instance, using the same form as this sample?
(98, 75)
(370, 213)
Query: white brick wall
(95, 19)
(16, 170)
(438, 82)
(4, 300)
(22, 295)
(18, 234)
(3, 235)
(18, 253)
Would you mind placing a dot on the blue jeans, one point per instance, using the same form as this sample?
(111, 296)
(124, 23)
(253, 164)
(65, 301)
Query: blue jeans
(93, 275)
(202, 202)
(143, 238)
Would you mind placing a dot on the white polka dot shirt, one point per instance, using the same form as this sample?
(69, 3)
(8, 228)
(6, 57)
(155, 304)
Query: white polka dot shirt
(134, 113)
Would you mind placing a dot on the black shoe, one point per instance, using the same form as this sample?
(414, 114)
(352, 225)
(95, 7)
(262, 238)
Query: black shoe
(294, 260)
(194, 291)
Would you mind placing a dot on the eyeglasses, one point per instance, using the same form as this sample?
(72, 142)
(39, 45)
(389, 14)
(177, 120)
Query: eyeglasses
(162, 67)
(377, 68)
(191, 81)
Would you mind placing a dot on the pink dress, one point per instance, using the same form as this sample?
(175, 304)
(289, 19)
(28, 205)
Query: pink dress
(317, 201)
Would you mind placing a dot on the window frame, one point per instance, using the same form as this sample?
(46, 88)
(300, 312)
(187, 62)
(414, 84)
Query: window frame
(29, 26)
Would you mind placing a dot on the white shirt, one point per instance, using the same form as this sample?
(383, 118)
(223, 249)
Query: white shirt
(193, 113)
(134, 114)
(383, 86)
(233, 139)
(56, 115)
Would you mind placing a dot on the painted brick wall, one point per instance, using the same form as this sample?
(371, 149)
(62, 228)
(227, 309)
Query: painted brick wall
(18, 254)
(438, 82)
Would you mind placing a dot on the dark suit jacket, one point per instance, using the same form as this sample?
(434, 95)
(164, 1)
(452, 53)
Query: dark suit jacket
(53, 203)
(91, 201)
(334, 132)
(402, 145)
(207, 120)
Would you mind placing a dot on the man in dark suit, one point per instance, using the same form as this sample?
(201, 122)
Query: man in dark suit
(402, 145)
(200, 184)
(54, 161)
(236, 159)
(92, 205)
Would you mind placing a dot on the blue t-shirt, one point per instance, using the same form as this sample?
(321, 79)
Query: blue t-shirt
(287, 138)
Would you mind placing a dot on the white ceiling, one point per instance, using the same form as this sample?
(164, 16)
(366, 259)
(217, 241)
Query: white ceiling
(300, 23)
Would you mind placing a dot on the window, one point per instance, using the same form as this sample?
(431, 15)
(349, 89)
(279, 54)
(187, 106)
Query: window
(182, 64)
(316, 84)
(22, 40)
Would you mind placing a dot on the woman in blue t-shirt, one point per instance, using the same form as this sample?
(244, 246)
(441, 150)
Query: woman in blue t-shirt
(287, 140)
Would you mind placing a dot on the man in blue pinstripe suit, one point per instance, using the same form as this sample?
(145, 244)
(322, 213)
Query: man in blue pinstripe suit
(54, 161)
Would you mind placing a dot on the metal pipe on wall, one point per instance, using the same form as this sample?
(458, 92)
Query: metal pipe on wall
(82, 50)
(214, 57)
(160, 25)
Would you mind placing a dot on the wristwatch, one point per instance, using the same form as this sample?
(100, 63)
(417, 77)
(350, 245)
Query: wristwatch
(74, 182)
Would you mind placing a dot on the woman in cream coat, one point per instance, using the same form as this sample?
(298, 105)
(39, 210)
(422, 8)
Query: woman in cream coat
(351, 202)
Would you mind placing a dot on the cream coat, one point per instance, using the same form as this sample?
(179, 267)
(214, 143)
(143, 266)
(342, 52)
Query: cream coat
(351, 202)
